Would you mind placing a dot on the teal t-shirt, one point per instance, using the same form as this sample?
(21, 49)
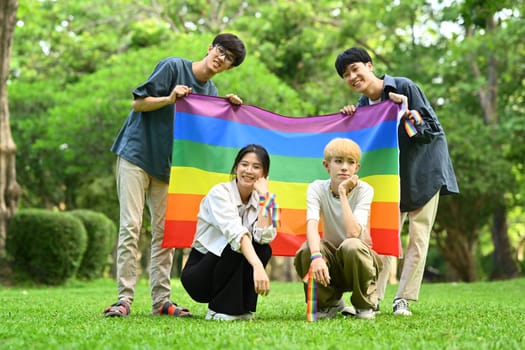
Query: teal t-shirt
(146, 138)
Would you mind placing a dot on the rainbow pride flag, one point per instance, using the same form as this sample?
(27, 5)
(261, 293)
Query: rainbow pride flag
(209, 131)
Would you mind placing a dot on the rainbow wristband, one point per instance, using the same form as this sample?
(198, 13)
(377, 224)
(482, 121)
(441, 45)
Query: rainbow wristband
(316, 255)
(270, 207)
(412, 119)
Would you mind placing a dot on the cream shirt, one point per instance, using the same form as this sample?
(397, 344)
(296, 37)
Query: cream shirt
(321, 203)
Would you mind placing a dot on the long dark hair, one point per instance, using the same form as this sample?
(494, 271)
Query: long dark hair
(261, 154)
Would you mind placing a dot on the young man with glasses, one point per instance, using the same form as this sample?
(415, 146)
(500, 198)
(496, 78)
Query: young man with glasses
(143, 148)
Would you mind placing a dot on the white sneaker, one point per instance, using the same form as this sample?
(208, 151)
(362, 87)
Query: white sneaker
(400, 308)
(365, 314)
(212, 315)
(330, 311)
(247, 316)
(349, 311)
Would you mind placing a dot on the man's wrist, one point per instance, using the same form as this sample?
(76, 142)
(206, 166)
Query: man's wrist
(316, 255)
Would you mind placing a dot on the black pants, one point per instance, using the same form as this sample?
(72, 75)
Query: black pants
(224, 282)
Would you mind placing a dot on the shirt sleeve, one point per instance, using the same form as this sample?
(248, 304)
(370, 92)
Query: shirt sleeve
(160, 82)
(363, 203)
(313, 202)
(221, 212)
(264, 235)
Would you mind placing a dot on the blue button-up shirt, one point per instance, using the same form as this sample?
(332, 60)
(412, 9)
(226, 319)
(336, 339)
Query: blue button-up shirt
(424, 162)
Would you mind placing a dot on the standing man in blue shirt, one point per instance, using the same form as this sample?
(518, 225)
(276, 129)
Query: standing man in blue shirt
(143, 148)
(425, 167)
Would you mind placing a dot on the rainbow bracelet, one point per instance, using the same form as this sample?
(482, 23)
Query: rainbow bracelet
(270, 206)
(316, 255)
(412, 119)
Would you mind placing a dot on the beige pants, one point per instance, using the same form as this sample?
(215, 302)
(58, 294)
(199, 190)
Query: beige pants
(353, 267)
(420, 222)
(135, 189)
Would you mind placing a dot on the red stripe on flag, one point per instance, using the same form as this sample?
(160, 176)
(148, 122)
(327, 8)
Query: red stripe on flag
(386, 241)
(286, 244)
(182, 233)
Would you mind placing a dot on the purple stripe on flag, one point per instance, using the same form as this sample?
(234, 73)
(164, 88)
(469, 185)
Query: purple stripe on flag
(258, 117)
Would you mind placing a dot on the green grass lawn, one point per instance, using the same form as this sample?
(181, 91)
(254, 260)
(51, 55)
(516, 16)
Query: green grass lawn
(448, 316)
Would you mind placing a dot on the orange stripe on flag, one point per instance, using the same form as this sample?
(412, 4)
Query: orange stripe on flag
(293, 221)
(183, 206)
(384, 215)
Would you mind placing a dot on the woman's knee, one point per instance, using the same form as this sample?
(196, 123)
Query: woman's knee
(194, 287)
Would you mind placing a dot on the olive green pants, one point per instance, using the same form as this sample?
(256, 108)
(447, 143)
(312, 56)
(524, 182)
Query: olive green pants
(353, 267)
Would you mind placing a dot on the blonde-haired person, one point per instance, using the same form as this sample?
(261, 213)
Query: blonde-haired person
(342, 261)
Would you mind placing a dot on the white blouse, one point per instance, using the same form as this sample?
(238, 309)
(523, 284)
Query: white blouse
(223, 219)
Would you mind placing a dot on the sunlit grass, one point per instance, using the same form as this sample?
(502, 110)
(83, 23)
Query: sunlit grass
(448, 316)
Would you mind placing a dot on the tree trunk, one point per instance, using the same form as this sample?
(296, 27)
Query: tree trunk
(504, 264)
(459, 254)
(281, 269)
(9, 188)
(456, 237)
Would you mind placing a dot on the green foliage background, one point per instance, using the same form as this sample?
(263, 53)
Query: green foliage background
(75, 63)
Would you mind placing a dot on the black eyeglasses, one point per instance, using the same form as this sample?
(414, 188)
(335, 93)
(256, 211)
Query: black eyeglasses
(222, 52)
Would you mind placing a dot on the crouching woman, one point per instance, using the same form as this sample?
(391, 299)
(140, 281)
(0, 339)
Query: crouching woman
(226, 265)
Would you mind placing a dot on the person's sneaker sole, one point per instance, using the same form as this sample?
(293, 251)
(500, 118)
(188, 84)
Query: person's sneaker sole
(400, 308)
(349, 311)
(402, 313)
(365, 314)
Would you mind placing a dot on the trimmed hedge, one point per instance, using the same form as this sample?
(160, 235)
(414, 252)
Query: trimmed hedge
(102, 236)
(47, 245)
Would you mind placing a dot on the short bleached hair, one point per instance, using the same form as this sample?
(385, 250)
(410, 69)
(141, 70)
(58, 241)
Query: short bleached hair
(342, 147)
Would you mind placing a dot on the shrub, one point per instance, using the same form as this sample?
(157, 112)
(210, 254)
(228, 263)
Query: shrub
(100, 195)
(46, 245)
(101, 234)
